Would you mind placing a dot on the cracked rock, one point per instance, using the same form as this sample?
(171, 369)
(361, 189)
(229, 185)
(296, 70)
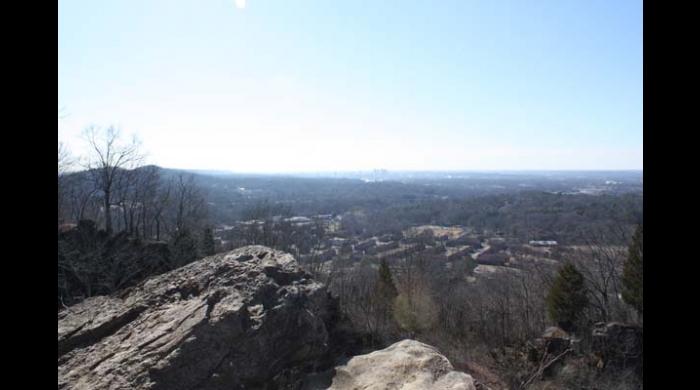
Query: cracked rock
(224, 322)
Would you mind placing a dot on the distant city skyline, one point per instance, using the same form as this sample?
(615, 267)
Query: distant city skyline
(344, 86)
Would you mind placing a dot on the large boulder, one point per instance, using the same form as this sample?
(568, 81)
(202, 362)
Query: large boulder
(405, 365)
(552, 347)
(555, 340)
(228, 321)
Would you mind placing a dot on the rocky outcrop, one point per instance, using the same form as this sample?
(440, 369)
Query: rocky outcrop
(550, 352)
(555, 340)
(405, 365)
(232, 320)
(91, 262)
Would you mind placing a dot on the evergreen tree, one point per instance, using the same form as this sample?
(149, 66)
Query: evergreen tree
(385, 294)
(633, 273)
(567, 298)
(385, 285)
(416, 311)
(208, 246)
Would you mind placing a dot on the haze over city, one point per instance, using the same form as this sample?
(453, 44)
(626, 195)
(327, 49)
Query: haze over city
(342, 195)
(291, 86)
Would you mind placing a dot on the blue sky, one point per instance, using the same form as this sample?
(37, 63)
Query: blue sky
(292, 85)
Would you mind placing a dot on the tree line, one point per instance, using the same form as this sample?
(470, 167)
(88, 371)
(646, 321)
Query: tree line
(120, 221)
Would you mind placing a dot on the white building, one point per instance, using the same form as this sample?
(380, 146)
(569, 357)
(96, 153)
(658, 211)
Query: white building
(543, 243)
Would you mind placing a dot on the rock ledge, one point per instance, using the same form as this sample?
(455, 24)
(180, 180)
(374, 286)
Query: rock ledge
(232, 320)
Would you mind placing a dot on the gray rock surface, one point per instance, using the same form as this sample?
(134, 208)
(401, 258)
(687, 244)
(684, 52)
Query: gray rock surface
(232, 320)
(406, 365)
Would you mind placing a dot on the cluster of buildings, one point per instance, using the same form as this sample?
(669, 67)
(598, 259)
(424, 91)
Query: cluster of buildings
(441, 244)
(447, 246)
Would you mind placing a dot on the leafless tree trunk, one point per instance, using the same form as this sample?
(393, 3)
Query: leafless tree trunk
(189, 203)
(109, 158)
(64, 162)
(601, 265)
(147, 198)
(160, 206)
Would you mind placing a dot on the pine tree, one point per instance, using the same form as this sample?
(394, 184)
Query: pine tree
(633, 273)
(208, 246)
(385, 286)
(385, 293)
(567, 298)
(416, 311)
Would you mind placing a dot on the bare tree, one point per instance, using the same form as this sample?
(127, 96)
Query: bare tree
(601, 263)
(190, 208)
(108, 159)
(135, 194)
(315, 262)
(160, 205)
(64, 162)
(81, 198)
(145, 199)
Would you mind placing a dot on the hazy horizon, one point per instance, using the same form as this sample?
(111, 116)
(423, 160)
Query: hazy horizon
(425, 173)
(285, 88)
(421, 171)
